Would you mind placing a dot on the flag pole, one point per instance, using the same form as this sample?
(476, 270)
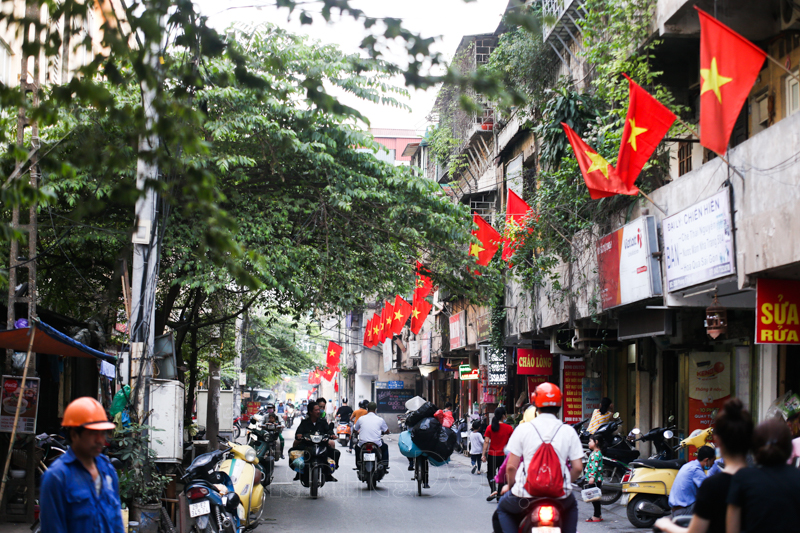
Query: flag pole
(652, 202)
(722, 157)
(789, 72)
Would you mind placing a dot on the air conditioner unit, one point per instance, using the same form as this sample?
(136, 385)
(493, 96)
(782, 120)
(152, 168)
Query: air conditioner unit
(790, 14)
(561, 343)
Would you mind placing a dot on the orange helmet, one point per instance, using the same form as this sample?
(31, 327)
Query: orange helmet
(87, 413)
(547, 395)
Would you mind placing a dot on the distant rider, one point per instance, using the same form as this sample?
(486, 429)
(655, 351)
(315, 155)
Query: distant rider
(370, 428)
(358, 413)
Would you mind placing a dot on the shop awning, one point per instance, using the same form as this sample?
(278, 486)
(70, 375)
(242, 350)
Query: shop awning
(49, 341)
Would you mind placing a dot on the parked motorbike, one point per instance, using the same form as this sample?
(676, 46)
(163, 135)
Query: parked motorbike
(316, 464)
(212, 501)
(617, 455)
(240, 426)
(371, 469)
(659, 438)
(462, 436)
(647, 489)
(241, 465)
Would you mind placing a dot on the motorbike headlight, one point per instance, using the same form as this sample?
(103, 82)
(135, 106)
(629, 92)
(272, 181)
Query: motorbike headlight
(316, 439)
(250, 455)
(668, 434)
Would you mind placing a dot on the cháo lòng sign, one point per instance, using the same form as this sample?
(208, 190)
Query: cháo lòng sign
(777, 311)
(534, 362)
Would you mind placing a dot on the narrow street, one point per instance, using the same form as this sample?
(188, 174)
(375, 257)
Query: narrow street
(456, 501)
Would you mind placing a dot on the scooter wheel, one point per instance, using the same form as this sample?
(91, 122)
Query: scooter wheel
(640, 519)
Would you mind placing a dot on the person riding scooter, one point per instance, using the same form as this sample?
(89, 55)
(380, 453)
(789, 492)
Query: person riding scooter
(371, 428)
(358, 413)
(315, 424)
(275, 419)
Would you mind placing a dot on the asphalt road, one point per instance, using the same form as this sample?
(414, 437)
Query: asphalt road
(456, 501)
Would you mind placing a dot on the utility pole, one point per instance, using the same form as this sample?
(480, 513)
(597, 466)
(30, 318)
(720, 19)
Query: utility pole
(146, 245)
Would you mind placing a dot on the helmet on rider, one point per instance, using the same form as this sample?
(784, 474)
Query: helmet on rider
(547, 395)
(363, 404)
(86, 413)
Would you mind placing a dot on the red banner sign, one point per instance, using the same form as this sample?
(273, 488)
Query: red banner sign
(534, 362)
(777, 319)
(533, 382)
(572, 391)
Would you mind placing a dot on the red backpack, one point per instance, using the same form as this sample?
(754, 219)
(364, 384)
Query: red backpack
(545, 477)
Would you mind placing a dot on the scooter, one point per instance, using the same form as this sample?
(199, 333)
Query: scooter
(371, 468)
(659, 438)
(647, 489)
(212, 501)
(262, 441)
(288, 416)
(246, 477)
(545, 515)
(315, 463)
(343, 433)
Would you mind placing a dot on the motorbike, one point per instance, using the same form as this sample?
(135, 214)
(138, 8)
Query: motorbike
(315, 462)
(212, 501)
(263, 441)
(241, 466)
(545, 515)
(617, 455)
(659, 438)
(240, 426)
(580, 429)
(462, 436)
(343, 433)
(371, 469)
(288, 416)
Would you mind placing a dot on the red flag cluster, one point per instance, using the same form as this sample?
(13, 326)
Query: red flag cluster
(729, 65)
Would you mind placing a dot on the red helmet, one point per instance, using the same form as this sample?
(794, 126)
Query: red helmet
(88, 413)
(547, 395)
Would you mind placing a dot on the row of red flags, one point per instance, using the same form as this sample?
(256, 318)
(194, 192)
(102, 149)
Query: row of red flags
(332, 359)
(729, 66)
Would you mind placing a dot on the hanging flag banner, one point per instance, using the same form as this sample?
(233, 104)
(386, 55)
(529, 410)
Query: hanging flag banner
(574, 372)
(534, 362)
(334, 354)
(777, 319)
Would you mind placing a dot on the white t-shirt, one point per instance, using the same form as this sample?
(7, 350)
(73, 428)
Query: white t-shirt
(476, 441)
(370, 427)
(525, 441)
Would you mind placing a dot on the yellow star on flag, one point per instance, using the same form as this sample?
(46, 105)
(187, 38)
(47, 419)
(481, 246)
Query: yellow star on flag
(598, 163)
(333, 353)
(415, 313)
(712, 80)
(635, 132)
(475, 250)
(375, 330)
(398, 315)
(389, 321)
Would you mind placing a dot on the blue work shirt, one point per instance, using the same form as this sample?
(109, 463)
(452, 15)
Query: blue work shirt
(280, 408)
(716, 468)
(684, 488)
(69, 502)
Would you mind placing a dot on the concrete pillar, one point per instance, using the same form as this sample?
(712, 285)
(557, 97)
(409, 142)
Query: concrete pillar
(643, 408)
(659, 419)
(767, 378)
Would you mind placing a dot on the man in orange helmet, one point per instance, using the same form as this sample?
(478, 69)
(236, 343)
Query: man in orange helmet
(522, 446)
(80, 491)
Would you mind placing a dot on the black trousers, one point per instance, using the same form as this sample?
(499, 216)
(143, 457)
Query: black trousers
(596, 504)
(493, 462)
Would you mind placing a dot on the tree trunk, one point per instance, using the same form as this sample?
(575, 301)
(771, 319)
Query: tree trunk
(192, 377)
(212, 413)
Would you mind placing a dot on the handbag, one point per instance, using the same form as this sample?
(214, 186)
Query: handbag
(591, 494)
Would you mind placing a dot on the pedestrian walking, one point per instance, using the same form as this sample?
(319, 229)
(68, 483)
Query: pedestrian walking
(496, 438)
(594, 474)
(475, 444)
(733, 434)
(80, 491)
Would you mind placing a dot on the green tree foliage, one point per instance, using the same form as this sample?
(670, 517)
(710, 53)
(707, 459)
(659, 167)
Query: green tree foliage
(273, 349)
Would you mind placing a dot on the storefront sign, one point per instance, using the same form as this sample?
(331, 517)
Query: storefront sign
(627, 270)
(389, 384)
(572, 392)
(425, 348)
(457, 337)
(709, 387)
(533, 382)
(777, 318)
(534, 362)
(497, 369)
(252, 408)
(592, 394)
(387, 355)
(484, 327)
(698, 243)
(467, 373)
(11, 390)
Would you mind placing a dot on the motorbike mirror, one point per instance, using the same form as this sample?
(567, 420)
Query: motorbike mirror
(668, 434)
(671, 419)
(636, 431)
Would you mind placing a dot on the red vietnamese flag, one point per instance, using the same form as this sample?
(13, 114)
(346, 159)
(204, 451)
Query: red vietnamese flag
(329, 372)
(489, 241)
(334, 354)
(336, 386)
(600, 177)
(379, 323)
(419, 313)
(729, 66)
(402, 310)
(647, 122)
(368, 333)
(387, 316)
(376, 329)
(424, 285)
(517, 213)
(314, 377)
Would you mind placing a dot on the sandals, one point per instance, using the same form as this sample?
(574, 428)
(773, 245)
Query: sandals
(593, 519)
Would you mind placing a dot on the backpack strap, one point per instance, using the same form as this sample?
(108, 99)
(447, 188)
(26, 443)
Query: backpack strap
(541, 439)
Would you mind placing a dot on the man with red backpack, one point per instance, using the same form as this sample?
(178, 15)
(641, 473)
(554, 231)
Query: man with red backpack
(544, 459)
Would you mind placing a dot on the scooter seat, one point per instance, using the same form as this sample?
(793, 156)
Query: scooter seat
(673, 464)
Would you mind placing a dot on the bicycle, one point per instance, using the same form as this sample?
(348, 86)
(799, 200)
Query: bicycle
(421, 468)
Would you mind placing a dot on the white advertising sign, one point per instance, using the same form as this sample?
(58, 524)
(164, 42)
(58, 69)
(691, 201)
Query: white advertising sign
(457, 337)
(698, 243)
(387, 355)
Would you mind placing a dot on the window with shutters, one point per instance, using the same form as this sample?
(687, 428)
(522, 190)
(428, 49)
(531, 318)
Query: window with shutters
(684, 158)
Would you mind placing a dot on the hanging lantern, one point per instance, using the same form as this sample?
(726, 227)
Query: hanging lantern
(716, 319)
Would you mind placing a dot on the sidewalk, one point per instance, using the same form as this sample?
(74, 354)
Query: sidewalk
(12, 527)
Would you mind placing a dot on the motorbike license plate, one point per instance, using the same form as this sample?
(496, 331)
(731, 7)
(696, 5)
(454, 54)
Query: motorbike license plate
(624, 499)
(199, 509)
(369, 456)
(545, 529)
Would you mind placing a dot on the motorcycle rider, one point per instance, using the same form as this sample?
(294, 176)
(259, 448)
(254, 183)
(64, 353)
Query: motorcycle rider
(343, 415)
(304, 408)
(275, 419)
(281, 408)
(370, 428)
(80, 490)
(684, 489)
(516, 501)
(316, 424)
(358, 413)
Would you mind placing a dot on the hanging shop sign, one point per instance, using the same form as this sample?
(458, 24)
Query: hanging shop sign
(534, 362)
(592, 393)
(627, 270)
(497, 368)
(425, 348)
(574, 372)
(457, 337)
(467, 373)
(387, 355)
(698, 243)
(484, 327)
(11, 390)
(709, 387)
(777, 318)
